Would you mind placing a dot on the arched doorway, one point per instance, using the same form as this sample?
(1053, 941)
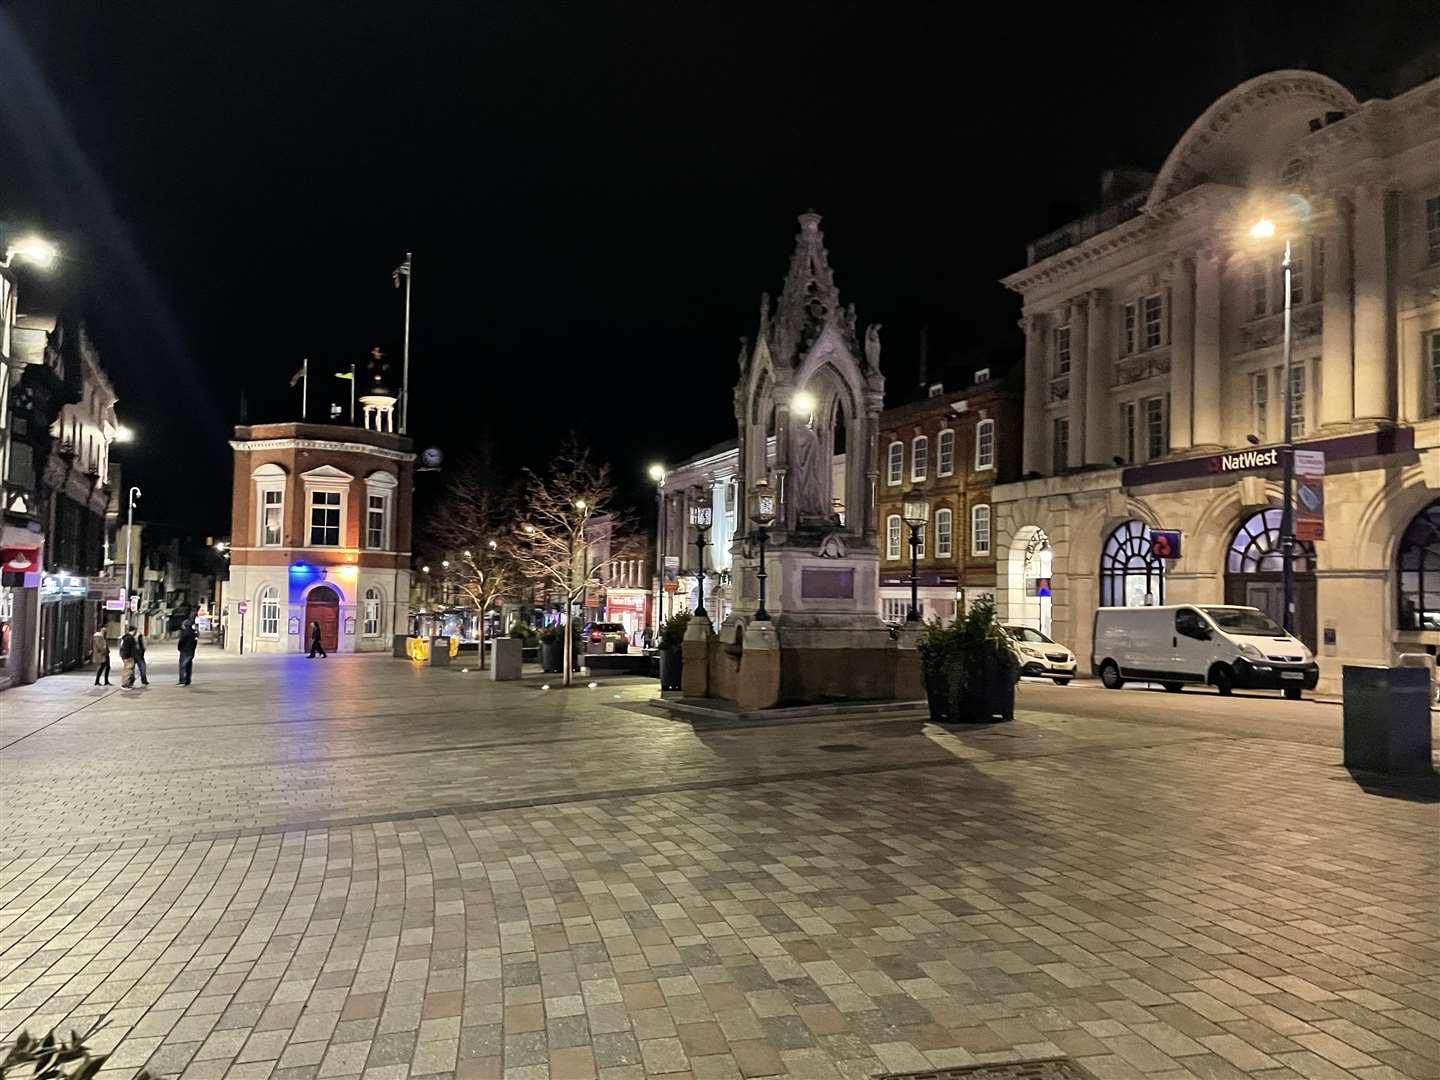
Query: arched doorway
(1028, 581)
(1130, 574)
(1254, 573)
(1417, 566)
(323, 606)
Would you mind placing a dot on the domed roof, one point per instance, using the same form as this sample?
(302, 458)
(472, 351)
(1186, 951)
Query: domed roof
(1246, 137)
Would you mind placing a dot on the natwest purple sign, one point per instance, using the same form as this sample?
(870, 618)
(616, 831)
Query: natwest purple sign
(1399, 440)
(1245, 459)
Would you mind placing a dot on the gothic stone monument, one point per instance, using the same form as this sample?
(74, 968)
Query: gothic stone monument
(808, 388)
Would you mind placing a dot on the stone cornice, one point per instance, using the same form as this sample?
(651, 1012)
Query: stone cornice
(322, 445)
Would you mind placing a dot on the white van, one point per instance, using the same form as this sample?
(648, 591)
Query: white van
(1224, 645)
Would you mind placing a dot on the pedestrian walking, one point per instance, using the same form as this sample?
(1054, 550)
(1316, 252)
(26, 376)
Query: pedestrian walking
(100, 654)
(188, 642)
(127, 658)
(316, 645)
(140, 659)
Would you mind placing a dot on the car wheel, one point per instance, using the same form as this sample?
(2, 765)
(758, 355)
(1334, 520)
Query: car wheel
(1224, 680)
(1173, 687)
(1062, 682)
(1292, 693)
(1110, 675)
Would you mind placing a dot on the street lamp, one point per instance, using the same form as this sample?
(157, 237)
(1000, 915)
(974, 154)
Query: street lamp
(657, 474)
(700, 520)
(129, 544)
(33, 249)
(916, 512)
(124, 434)
(803, 403)
(1264, 229)
(762, 513)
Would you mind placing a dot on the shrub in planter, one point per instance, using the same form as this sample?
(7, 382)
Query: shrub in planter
(672, 634)
(551, 639)
(524, 631)
(968, 667)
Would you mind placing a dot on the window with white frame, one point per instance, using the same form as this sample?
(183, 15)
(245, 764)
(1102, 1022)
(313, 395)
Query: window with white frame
(1317, 274)
(946, 462)
(985, 444)
(919, 457)
(1062, 351)
(1157, 429)
(375, 515)
(1153, 310)
(270, 613)
(920, 542)
(1129, 328)
(892, 537)
(980, 530)
(944, 533)
(1297, 276)
(1060, 443)
(1259, 289)
(895, 469)
(1432, 230)
(1297, 397)
(372, 613)
(380, 489)
(1260, 403)
(1432, 357)
(272, 516)
(325, 518)
(1129, 427)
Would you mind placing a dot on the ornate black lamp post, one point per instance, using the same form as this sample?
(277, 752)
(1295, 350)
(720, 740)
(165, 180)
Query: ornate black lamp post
(762, 513)
(916, 512)
(700, 518)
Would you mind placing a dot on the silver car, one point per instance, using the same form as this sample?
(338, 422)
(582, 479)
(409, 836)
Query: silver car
(1041, 655)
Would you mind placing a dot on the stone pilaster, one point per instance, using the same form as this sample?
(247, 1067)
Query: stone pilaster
(1096, 421)
(1037, 387)
(1337, 359)
(1205, 401)
(1374, 389)
(1182, 350)
(1079, 386)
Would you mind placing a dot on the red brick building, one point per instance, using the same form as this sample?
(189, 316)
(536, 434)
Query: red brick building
(953, 446)
(320, 532)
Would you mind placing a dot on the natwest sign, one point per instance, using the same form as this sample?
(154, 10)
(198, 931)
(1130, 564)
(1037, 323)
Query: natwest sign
(1246, 459)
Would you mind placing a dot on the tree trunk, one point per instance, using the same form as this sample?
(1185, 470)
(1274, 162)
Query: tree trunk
(481, 622)
(567, 648)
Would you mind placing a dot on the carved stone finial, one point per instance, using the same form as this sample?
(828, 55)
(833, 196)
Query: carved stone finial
(809, 221)
(744, 357)
(872, 345)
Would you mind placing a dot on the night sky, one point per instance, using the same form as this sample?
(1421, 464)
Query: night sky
(596, 192)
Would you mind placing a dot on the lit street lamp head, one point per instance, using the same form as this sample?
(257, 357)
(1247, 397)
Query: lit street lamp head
(803, 403)
(1263, 229)
(124, 434)
(657, 473)
(33, 249)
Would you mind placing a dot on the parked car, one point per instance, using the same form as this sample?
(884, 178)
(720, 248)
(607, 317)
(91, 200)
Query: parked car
(605, 637)
(1223, 645)
(1041, 655)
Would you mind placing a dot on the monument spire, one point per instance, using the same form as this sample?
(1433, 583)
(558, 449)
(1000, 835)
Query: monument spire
(810, 300)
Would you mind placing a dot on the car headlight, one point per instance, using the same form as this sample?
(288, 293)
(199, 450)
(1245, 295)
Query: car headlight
(1250, 651)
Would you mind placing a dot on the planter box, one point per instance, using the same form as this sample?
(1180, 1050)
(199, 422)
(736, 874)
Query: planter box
(1387, 720)
(672, 665)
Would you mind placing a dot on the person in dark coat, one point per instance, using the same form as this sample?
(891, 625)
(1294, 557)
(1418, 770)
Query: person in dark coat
(316, 645)
(140, 659)
(127, 657)
(186, 645)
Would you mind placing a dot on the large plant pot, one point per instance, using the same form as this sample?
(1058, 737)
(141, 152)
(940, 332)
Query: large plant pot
(551, 658)
(993, 696)
(672, 664)
(938, 697)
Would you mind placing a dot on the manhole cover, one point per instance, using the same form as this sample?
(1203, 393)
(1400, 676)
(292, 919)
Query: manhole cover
(842, 748)
(1040, 1069)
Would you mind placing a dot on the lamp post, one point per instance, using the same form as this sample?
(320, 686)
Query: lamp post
(1264, 229)
(700, 520)
(129, 544)
(657, 474)
(916, 512)
(762, 513)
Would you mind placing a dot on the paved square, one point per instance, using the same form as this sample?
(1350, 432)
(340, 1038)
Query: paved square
(362, 868)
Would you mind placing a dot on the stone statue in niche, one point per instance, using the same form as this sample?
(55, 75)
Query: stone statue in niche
(832, 546)
(872, 346)
(805, 481)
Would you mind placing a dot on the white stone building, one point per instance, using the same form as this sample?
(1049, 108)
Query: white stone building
(1153, 345)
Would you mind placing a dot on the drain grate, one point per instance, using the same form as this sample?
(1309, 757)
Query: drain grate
(842, 748)
(1039, 1069)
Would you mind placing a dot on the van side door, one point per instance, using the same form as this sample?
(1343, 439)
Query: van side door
(1192, 645)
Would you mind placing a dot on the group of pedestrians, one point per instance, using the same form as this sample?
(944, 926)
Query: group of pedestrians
(132, 655)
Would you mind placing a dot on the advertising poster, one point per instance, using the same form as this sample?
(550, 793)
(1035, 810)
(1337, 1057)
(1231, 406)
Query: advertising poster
(1309, 495)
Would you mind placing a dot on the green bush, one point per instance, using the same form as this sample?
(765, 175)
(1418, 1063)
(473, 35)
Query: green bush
(56, 1059)
(522, 630)
(959, 659)
(552, 633)
(672, 630)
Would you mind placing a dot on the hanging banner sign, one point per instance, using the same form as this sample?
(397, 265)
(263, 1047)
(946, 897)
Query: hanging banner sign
(1309, 495)
(1165, 543)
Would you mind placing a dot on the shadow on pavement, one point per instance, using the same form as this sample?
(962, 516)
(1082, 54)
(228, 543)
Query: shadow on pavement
(1424, 788)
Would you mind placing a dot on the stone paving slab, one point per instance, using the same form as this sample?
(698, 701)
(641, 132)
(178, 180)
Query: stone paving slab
(1153, 901)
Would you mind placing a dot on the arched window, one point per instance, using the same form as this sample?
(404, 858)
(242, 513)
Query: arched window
(270, 613)
(980, 530)
(985, 444)
(944, 533)
(1418, 567)
(1129, 572)
(945, 453)
(1255, 548)
(919, 458)
(892, 537)
(372, 613)
(895, 470)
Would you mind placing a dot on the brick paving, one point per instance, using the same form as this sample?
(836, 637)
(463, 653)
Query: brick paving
(359, 868)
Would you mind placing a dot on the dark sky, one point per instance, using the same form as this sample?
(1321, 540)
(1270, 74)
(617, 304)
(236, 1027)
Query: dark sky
(596, 192)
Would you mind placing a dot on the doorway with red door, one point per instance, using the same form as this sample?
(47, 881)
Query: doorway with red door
(322, 606)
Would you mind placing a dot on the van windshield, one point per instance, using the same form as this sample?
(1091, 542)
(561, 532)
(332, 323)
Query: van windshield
(1244, 622)
(1025, 633)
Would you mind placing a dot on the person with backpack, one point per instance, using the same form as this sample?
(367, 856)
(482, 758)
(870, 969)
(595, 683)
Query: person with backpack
(127, 658)
(186, 645)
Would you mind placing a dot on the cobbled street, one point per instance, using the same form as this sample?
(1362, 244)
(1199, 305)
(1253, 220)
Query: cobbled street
(358, 867)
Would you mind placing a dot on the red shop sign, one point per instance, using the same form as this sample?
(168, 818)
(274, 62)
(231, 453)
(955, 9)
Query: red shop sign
(20, 560)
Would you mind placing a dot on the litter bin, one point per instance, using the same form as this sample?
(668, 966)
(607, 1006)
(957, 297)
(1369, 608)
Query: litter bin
(439, 652)
(401, 647)
(1387, 720)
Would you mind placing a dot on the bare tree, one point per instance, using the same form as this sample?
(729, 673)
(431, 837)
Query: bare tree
(563, 516)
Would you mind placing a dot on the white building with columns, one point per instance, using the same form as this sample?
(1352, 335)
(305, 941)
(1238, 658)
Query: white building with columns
(1153, 368)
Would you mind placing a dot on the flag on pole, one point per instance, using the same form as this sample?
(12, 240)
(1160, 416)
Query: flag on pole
(345, 375)
(403, 270)
(299, 374)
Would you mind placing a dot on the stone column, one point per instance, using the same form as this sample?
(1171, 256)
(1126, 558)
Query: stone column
(1374, 394)
(1337, 366)
(1036, 389)
(871, 474)
(1097, 412)
(1079, 368)
(1181, 274)
(1205, 400)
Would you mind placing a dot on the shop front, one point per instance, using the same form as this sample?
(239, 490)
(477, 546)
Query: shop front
(937, 594)
(630, 608)
(67, 619)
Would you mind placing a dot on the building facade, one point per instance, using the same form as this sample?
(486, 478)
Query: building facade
(1154, 396)
(953, 447)
(320, 533)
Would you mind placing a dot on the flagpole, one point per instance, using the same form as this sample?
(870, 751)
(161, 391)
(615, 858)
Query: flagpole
(352, 395)
(405, 372)
(305, 389)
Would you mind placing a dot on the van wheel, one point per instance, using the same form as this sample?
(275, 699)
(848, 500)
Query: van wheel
(1173, 687)
(1224, 679)
(1293, 693)
(1110, 675)
(1062, 682)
